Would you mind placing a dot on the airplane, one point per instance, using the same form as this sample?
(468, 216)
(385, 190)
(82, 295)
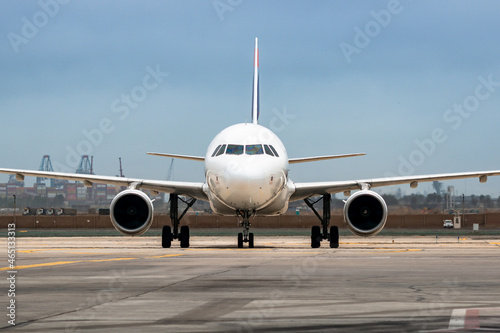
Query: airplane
(246, 175)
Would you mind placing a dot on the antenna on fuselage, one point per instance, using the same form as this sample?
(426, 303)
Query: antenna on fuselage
(255, 90)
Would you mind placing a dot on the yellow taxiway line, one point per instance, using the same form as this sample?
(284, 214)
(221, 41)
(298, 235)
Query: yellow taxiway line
(56, 263)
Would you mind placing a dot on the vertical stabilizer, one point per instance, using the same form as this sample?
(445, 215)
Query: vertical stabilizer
(255, 90)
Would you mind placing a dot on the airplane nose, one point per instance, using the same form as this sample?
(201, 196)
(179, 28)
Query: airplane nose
(241, 173)
(244, 178)
(246, 186)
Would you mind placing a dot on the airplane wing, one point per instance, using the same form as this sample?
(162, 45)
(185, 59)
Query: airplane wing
(321, 158)
(305, 190)
(191, 189)
(184, 157)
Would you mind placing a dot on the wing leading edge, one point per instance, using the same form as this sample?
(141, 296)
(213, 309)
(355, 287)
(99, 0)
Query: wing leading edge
(191, 189)
(321, 158)
(184, 157)
(305, 190)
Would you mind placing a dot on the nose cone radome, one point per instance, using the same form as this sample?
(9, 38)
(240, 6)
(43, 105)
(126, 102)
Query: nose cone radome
(247, 187)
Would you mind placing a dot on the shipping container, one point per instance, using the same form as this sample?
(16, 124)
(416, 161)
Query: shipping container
(65, 211)
(29, 211)
(30, 190)
(103, 211)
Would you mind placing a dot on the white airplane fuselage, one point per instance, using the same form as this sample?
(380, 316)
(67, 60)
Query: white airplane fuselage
(246, 169)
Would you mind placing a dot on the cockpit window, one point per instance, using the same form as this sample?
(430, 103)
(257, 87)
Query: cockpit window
(257, 149)
(268, 151)
(216, 150)
(254, 150)
(274, 151)
(234, 149)
(221, 150)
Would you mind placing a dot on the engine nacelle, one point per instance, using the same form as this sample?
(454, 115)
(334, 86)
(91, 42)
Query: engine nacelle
(131, 212)
(365, 213)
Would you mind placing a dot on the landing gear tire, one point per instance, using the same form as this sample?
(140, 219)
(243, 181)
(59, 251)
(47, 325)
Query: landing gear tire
(184, 236)
(166, 237)
(240, 240)
(250, 240)
(334, 237)
(315, 237)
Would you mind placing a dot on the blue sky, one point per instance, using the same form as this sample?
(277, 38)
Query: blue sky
(414, 84)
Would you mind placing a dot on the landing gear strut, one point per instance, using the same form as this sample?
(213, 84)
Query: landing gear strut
(183, 236)
(245, 236)
(317, 235)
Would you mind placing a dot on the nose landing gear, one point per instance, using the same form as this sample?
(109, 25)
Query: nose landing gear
(245, 236)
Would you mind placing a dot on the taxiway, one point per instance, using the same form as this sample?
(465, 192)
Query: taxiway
(380, 284)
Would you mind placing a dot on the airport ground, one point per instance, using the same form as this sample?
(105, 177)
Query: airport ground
(389, 283)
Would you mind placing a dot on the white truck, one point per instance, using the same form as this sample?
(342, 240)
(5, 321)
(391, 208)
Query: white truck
(447, 224)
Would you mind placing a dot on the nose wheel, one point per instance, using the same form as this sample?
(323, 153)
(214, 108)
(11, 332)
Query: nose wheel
(246, 236)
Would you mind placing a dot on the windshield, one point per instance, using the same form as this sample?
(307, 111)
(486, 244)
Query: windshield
(254, 149)
(234, 149)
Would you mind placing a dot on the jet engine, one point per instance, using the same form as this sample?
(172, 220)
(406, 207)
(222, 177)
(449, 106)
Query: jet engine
(131, 212)
(365, 213)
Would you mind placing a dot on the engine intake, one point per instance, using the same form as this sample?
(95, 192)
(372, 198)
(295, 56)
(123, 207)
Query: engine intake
(365, 213)
(131, 212)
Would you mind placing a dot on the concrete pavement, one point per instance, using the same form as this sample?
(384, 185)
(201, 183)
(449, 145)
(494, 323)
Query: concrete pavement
(380, 284)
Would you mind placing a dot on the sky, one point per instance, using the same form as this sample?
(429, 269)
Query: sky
(414, 84)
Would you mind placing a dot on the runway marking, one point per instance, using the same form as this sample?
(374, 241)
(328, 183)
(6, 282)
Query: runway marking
(229, 249)
(276, 243)
(395, 251)
(74, 252)
(40, 265)
(469, 319)
(114, 259)
(37, 250)
(166, 256)
(56, 263)
(457, 319)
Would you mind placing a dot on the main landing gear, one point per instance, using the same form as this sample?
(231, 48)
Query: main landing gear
(167, 236)
(245, 236)
(317, 235)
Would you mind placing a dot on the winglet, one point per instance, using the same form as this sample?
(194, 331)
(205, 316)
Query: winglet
(255, 90)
